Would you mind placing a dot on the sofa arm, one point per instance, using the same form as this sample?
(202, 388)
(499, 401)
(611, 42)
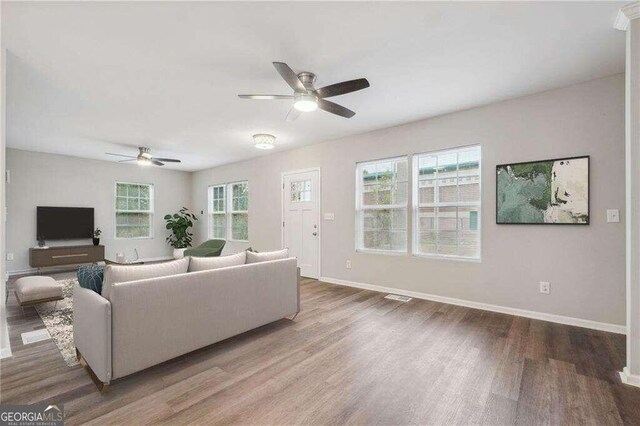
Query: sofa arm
(92, 330)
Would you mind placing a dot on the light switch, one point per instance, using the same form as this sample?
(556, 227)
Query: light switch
(613, 216)
(329, 216)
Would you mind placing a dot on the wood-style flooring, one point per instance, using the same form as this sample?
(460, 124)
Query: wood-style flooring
(350, 356)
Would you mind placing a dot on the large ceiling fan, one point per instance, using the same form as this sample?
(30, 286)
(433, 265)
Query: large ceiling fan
(144, 158)
(307, 98)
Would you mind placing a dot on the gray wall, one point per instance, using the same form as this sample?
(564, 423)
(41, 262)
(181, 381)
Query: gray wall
(39, 179)
(584, 264)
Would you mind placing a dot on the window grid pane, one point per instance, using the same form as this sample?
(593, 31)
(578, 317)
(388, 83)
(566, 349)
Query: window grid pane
(301, 191)
(217, 212)
(240, 197)
(382, 205)
(229, 211)
(134, 210)
(447, 203)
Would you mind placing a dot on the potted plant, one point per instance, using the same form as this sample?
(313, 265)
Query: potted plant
(179, 224)
(96, 236)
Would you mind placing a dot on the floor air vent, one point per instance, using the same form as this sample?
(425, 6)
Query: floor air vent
(403, 299)
(35, 336)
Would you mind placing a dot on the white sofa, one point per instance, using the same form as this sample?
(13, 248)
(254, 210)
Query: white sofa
(150, 321)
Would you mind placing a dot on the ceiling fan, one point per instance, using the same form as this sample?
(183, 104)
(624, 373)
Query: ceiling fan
(144, 158)
(307, 98)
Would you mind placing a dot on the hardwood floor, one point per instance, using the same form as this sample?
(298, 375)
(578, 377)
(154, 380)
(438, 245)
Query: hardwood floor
(350, 356)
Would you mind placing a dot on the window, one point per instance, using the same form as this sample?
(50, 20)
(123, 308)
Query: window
(134, 210)
(381, 205)
(446, 203)
(301, 191)
(239, 211)
(229, 211)
(217, 212)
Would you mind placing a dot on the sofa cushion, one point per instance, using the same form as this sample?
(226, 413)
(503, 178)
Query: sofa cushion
(32, 289)
(267, 255)
(91, 277)
(124, 273)
(206, 263)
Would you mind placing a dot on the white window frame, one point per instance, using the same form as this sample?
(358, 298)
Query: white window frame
(230, 211)
(360, 208)
(436, 204)
(151, 212)
(228, 204)
(210, 211)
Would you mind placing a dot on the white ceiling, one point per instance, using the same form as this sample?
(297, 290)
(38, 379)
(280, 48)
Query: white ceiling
(86, 78)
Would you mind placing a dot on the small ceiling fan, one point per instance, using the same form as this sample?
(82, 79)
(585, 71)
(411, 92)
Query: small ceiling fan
(144, 158)
(307, 98)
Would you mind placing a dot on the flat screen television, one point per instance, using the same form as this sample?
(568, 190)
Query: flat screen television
(64, 223)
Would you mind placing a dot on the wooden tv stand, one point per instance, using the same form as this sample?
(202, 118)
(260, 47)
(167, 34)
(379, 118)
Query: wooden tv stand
(65, 255)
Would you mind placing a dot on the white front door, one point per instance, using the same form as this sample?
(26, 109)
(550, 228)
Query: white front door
(301, 219)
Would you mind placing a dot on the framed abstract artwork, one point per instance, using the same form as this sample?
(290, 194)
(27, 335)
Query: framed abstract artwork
(548, 192)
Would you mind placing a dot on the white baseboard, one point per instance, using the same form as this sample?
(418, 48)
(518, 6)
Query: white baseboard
(63, 268)
(5, 352)
(560, 319)
(629, 379)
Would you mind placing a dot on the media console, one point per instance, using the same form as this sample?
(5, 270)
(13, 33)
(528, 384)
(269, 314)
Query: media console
(65, 255)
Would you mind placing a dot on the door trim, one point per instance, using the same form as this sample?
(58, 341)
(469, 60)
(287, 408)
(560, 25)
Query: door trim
(293, 172)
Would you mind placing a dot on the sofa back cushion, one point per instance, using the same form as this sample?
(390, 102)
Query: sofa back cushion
(123, 273)
(206, 263)
(267, 255)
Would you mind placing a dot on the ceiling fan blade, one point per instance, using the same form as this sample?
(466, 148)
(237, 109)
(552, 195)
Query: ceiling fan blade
(157, 163)
(120, 155)
(292, 114)
(266, 96)
(124, 161)
(167, 160)
(289, 76)
(342, 88)
(334, 108)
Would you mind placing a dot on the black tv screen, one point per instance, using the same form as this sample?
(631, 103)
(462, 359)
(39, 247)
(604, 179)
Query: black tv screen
(64, 223)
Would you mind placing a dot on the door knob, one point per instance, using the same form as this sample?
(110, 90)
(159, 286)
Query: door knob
(315, 234)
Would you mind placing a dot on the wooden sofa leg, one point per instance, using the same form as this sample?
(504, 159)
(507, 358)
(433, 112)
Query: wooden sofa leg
(102, 387)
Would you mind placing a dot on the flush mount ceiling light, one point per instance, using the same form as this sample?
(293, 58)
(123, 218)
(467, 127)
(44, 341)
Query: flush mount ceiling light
(264, 141)
(305, 102)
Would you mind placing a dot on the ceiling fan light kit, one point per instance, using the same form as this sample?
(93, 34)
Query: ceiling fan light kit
(306, 98)
(264, 141)
(305, 102)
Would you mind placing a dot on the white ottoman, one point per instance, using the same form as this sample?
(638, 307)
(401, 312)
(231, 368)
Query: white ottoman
(33, 290)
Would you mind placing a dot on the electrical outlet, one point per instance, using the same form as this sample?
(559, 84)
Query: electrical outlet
(545, 287)
(348, 264)
(9, 256)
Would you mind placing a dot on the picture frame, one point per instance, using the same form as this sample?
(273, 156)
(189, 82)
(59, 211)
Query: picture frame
(544, 192)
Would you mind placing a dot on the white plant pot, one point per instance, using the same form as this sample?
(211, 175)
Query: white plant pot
(178, 253)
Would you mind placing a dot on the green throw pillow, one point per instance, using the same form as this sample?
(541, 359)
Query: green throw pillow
(90, 277)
